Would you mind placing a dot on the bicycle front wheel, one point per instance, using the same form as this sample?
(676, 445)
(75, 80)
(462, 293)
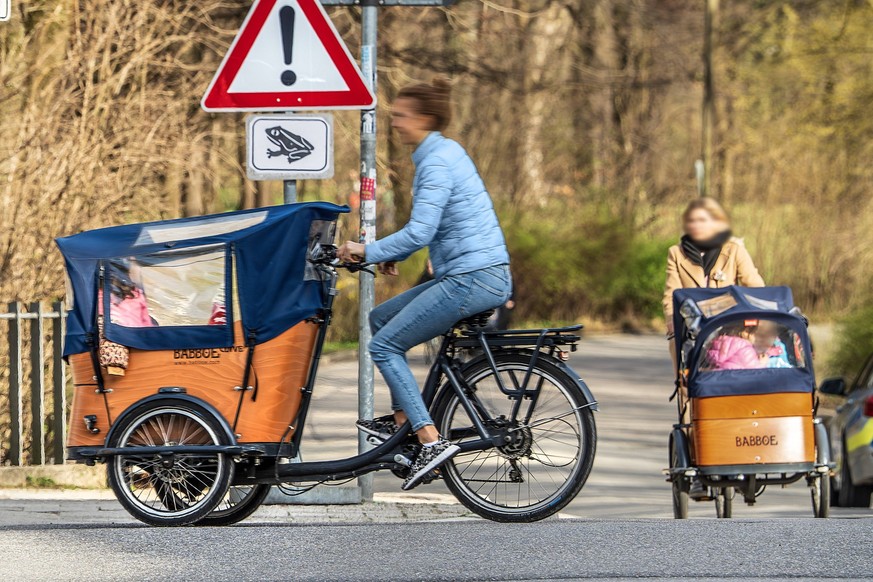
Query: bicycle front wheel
(550, 454)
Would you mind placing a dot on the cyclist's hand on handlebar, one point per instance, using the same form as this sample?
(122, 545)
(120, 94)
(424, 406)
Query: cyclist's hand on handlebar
(351, 252)
(389, 268)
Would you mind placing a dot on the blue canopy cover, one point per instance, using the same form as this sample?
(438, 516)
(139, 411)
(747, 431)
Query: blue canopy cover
(700, 313)
(165, 284)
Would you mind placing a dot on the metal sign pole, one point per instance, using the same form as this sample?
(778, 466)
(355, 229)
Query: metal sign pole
(369, 25)
(289, 191)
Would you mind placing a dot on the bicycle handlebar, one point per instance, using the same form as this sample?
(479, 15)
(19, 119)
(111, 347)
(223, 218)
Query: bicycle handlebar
(326, 255)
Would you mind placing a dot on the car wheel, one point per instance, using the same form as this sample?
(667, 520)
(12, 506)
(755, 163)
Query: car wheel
(851, 495)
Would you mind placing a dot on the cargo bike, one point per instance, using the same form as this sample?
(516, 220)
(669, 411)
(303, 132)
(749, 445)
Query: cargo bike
(194, 346)
(745, 389)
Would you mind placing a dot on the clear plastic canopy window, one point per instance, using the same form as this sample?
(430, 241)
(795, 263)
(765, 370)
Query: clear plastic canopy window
(213, 226)
(174, 288)
(750, 345)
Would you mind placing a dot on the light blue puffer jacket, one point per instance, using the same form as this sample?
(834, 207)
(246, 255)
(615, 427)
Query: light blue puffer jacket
(452, 214)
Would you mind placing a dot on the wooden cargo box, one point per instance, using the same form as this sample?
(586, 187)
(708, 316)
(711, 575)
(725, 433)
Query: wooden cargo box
(280, 367)
(754, 429)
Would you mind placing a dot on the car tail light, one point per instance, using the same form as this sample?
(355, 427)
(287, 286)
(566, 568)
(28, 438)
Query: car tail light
(868, 406)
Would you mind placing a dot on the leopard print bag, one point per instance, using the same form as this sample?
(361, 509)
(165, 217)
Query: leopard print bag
(114, 357)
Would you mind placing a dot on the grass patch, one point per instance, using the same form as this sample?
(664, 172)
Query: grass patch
(40, 482)
(339, 346)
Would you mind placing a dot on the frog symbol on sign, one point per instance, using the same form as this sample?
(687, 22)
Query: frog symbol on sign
(291, 145)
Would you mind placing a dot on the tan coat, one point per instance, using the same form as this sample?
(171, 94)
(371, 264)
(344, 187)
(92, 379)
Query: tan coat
(733, 267)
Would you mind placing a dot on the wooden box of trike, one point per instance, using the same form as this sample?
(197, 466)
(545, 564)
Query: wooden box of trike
(753, 429)
(278, 371)
(748, 380)
(159, 308)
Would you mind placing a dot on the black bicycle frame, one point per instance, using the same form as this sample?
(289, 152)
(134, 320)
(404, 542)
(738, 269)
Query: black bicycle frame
(448, 368)
(383, 455)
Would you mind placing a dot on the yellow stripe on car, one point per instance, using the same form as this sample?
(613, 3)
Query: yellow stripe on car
(862, 438)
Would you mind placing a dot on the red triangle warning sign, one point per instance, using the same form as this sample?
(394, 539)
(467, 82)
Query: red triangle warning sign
(287, 56)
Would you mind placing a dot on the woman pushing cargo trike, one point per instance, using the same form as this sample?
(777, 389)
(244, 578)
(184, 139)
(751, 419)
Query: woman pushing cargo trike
(744, 377)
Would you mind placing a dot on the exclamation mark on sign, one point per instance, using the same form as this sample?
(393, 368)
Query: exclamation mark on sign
(286, 21)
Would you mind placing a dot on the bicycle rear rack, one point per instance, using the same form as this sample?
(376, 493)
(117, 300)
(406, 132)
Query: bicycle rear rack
(540, 338)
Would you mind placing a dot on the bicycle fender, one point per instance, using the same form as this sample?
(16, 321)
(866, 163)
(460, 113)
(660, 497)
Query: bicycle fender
(678, 438)
(171, 398)
(589, 396)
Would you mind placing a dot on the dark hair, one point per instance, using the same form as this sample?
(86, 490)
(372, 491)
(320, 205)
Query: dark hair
(432, 99)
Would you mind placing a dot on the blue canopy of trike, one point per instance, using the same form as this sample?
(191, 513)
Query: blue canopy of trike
(165, 284)
(741, 340)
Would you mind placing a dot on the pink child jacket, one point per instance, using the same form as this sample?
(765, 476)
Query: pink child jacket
(130, 311)
(728, 352)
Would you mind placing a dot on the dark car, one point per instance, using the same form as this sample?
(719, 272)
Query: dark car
(848, 410)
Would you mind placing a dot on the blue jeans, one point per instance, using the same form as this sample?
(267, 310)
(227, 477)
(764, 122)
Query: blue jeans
(423, 313)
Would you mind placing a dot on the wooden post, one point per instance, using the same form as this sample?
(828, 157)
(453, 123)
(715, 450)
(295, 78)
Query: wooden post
(59, 387)
(16, 440)
(37, 385)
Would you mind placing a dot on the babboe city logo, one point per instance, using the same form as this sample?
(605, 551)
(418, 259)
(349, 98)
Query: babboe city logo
(205, 353)
(767, 440)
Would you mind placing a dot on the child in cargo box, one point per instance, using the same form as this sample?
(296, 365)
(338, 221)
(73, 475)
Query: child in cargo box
(127, 302)
(734, 349)
(771, 349)
(127, 307)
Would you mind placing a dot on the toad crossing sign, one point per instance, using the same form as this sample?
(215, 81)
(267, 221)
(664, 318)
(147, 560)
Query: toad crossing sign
(289, 147)
(5, 10)
(287, 56)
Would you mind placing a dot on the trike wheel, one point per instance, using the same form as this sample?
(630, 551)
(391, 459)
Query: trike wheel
(820, 490)
(548, 459)
(679, 484)
(724, 503)
(169, 491)
(239, 503)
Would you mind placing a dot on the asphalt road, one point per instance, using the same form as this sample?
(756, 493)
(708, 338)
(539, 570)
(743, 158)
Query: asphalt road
(550, 550)
(619, 527)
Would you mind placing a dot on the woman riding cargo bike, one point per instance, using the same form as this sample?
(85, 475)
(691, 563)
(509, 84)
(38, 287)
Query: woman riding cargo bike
(453, 216)
(211, 411)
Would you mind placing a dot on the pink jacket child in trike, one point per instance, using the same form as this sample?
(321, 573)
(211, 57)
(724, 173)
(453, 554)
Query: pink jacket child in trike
(735, 351)
(127, 307)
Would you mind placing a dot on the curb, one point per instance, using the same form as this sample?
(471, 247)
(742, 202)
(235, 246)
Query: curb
(49, 477)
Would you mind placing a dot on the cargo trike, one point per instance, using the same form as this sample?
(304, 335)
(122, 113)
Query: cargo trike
(194, 346)
(746, 404)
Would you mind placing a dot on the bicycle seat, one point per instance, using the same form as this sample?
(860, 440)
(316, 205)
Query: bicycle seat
(477, 320)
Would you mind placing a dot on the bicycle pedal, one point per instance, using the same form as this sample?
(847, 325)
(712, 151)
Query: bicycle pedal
(431, 476)
(403, 460)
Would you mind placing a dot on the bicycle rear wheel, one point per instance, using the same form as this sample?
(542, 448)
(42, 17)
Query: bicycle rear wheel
(548, 460)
